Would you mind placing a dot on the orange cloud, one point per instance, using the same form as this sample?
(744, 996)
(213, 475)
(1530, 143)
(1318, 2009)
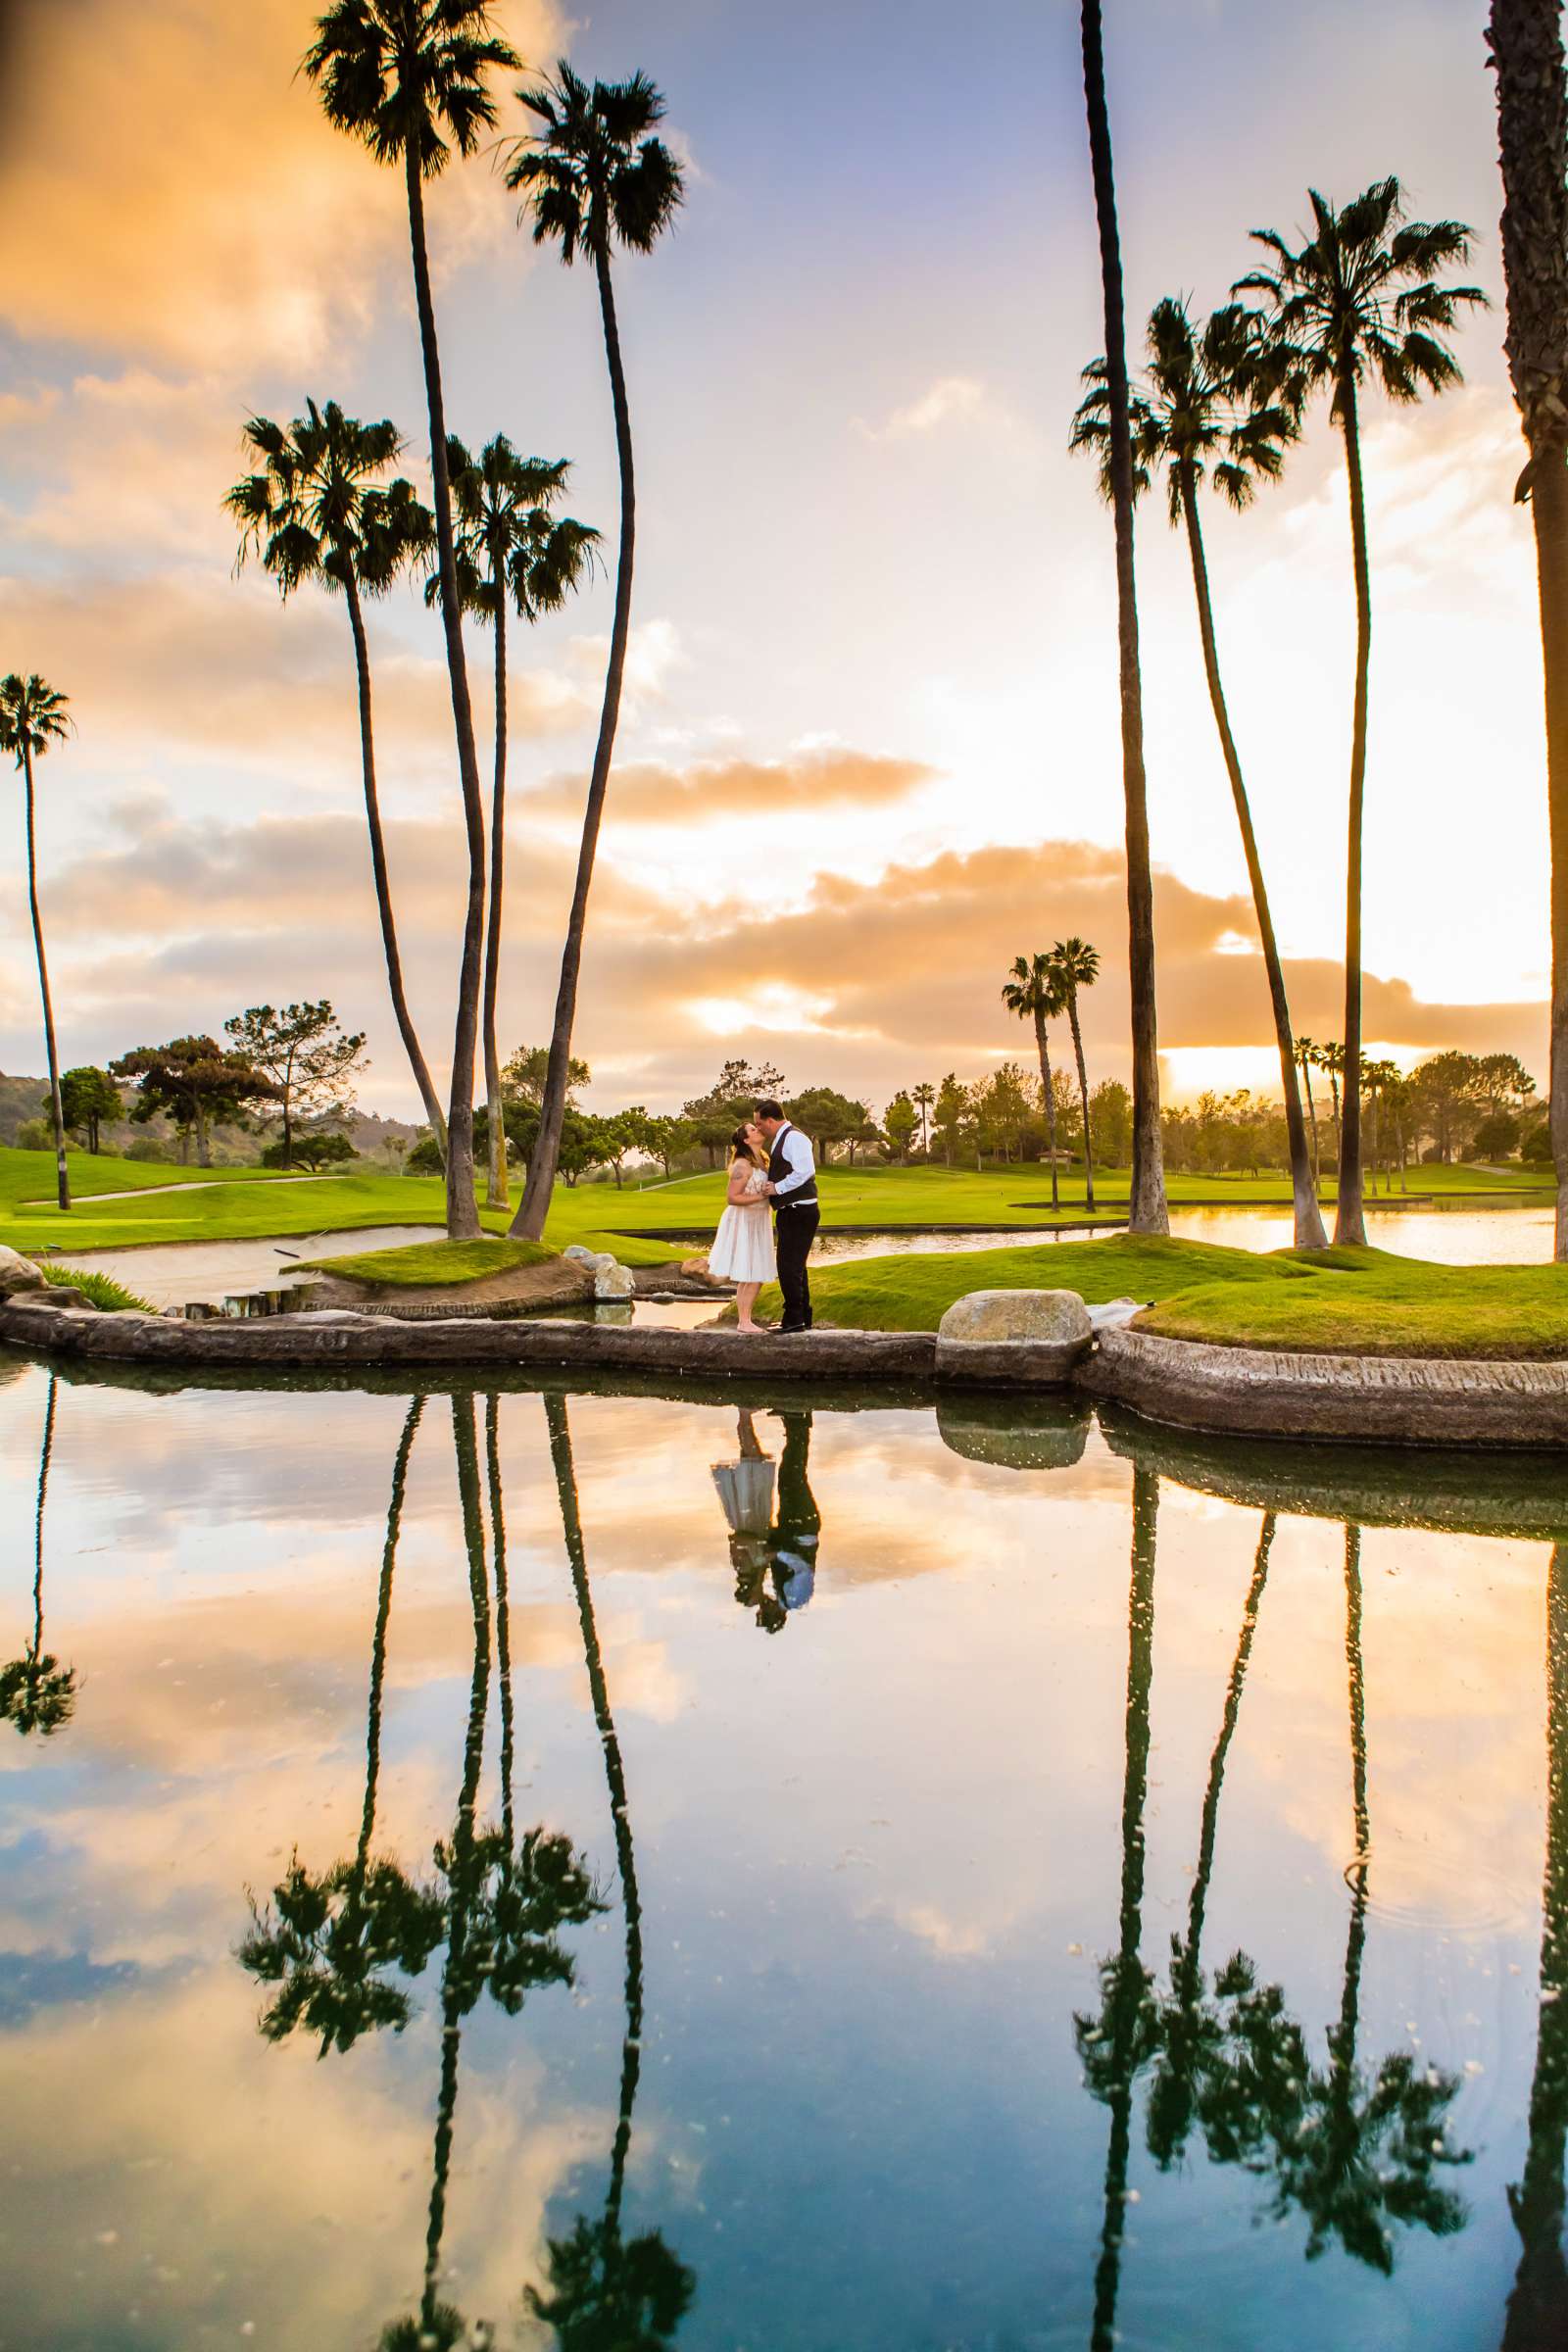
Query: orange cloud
(256, 230)
(648, 792)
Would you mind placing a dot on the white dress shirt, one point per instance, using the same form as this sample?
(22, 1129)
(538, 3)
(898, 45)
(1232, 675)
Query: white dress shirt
(799, 1158)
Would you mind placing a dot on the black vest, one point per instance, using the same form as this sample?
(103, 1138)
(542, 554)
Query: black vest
(803, 1196)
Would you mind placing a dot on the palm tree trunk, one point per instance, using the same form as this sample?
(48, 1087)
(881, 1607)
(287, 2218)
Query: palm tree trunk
(496, 1194)
(1128, 1981)
(383, 888)
(62, 1179)
(1309, 1233)
(1350, 1225)
(1042, 1042)
(1549, 507)
(1083, 1096)
(615, 1781)
(529, 1220)
(383, 1618)
(1540, 2297)
(1525, 38)
(463, 1214)
(1342, 2038)
(45, 1452)
(1334, 1098)
(1146, 1209)
(1311, 1112)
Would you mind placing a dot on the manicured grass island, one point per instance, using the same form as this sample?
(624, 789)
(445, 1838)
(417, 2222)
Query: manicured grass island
(1339, 1301)
(424, 1263)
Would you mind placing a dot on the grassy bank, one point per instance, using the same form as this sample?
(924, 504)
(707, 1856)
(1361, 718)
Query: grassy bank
(1343, 1302)
(914, 1293)
(170, 1205)
(424, 1262)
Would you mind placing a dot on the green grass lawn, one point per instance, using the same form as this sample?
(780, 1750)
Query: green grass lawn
(223, 1204)
(914, 1293)
(435, 1261)
(1365, 1302)
(1343, 1302)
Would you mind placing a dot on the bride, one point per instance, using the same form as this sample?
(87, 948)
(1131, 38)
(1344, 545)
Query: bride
(743, 1247)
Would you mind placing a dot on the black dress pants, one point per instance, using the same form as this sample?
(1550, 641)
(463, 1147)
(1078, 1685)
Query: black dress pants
(795, 1230)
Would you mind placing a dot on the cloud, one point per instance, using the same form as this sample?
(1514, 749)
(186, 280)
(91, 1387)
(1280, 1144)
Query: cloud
(951, 396)
(864, 985)
(172, 189)
(649, 791)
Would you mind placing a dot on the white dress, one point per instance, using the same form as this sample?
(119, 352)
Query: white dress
(743, 1245)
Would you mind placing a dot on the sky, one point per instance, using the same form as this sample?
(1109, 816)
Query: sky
(869, 746)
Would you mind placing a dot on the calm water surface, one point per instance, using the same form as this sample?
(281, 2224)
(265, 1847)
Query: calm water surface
(617, 1871)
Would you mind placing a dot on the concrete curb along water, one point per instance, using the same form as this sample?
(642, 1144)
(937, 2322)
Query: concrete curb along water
(1224, 1392)
(1371, 1400)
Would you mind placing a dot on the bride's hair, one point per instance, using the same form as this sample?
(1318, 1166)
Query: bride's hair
(740, 1143)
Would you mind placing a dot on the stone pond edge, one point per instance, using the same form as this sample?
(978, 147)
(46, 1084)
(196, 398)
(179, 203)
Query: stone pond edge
(1225, 1391)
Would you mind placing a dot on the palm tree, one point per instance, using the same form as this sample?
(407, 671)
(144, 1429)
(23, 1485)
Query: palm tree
(1525, 38)
(1146, 1209)
(32, 716)
(1203, 410)
(1540, 2298)
(923, 1096)
(407, 77)
(1306, 1061)
(1033, 994)
(1359, 303)
(510, 550)
(318, 509)
(1328, 1057)
(503, 1908)
(1189, 2031)
(1116, 2043)
(604, 2288)
(328, 1943)
(594, 176)
(36, 1693)
(1075, 965)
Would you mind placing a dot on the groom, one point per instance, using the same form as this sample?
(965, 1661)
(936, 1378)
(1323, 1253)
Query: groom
(792, 1188)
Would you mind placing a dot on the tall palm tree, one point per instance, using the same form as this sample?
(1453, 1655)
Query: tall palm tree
(32, 716)
(503, 1910)
(1538, 2307)
(1075, 965)
(1033, 994)
(1116, 2043)
(512, 550)
(923, 1096)
(606, 2288)
(36, 1693)
(1360, 301)
(594, 176)
(407, 77)
(1205, 411)
(318, 508)
(1146, 1209)
(1525, 38)
(1306, 1061)
(1328, 1057)
(1188, 2027)
(330, 1944)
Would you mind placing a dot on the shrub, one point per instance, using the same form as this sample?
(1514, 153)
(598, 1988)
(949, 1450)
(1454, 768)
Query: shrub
(424, 1159)
(100, 1290)
(36, 1135)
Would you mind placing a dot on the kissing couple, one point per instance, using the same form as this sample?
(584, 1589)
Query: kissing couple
(773, 1167)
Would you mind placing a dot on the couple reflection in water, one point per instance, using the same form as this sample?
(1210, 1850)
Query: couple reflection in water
(772, 1519)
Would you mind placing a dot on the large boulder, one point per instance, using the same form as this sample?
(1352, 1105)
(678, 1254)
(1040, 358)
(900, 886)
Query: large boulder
(17, 1273)
(1009, 1338)
(580, 1256)
(612, 1280)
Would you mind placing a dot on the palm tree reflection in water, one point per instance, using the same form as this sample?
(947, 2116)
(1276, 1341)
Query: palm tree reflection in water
(1538, 2308)
(608, 2293)
(1358, 2152)
(36, 1693)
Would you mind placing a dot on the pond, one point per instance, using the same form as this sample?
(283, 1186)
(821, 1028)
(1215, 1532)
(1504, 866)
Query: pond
(534, 1867)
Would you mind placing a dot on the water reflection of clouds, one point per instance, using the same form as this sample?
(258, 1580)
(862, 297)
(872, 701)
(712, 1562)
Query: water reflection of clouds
(874, 1841)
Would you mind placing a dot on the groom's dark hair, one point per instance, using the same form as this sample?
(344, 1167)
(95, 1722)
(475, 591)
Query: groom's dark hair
(768, 1110)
